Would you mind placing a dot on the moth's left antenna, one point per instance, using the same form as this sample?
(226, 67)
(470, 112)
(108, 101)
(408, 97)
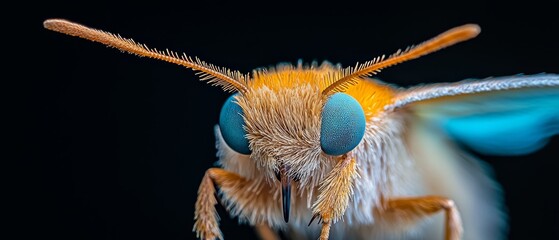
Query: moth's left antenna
(225, 78)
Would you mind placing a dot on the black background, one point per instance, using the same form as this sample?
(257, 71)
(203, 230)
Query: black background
(114, 146)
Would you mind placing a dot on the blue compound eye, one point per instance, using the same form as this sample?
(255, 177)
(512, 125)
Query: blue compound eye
(231, 124)
(343, 124)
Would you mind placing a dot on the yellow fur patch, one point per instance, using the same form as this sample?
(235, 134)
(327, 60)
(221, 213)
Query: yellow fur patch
(371, 94)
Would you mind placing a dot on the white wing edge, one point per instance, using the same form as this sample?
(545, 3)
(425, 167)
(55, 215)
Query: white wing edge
(470, 86)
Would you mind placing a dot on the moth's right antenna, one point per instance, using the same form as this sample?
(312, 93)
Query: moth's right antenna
(445, 39)
(227, 79)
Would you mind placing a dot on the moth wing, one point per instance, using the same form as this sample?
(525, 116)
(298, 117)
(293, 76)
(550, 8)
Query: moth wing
(499, 116)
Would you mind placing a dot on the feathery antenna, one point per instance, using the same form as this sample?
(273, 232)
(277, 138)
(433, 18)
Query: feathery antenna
(227, 79)
(445, 39)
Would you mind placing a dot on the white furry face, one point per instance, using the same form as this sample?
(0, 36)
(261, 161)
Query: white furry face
(283, 127)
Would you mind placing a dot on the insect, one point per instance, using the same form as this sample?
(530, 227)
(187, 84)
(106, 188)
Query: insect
(360, 157)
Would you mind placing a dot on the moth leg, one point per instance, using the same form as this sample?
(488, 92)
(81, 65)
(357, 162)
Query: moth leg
(428, 205)
(334, 194)
(206, 225)
(266, 233)
(325, 231)
(206, 217)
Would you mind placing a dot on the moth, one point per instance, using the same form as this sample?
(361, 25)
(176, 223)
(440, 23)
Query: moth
(361, 158)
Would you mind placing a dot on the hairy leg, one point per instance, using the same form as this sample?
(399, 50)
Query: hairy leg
(415, 207)
(206, 226)
(242, 197)
(334, 194)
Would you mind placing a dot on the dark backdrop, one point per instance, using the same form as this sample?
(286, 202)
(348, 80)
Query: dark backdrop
(114, 146)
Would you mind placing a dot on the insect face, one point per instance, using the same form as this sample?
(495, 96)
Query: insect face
(294, 131)
(295, 126)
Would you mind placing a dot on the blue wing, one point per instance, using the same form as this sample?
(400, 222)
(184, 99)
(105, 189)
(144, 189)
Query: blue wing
(501, 116)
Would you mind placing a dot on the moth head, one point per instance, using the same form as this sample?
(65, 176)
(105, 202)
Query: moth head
(292, 129)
